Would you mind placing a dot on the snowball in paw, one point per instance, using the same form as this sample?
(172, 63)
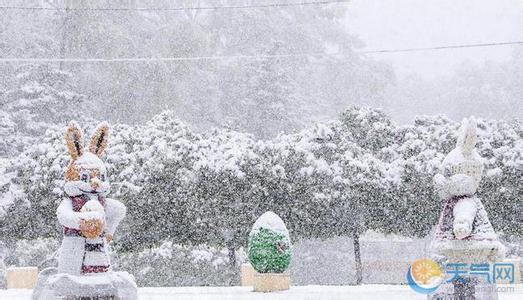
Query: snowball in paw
(96, 209)
(462, 229)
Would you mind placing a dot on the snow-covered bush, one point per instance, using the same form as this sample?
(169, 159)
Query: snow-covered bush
(172, 264)
(34, 189)
(32, 253)
(269, 244)
(168, 264)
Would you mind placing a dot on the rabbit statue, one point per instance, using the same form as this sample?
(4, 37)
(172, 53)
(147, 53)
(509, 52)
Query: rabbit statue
(87, 230)
(464, 234)
(89, 220)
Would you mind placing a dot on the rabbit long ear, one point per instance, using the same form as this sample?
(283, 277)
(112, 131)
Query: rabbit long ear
(99, 139)
(467, 136)
(74, 140)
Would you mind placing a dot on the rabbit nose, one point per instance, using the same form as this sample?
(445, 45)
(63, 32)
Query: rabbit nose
(95, 183)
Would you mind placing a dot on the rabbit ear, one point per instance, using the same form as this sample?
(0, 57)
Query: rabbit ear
(99, 139)
(74, 140)
(467, 136)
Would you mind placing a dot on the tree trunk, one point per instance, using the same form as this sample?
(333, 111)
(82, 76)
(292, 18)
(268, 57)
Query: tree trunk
(357, 257)
(232, 255)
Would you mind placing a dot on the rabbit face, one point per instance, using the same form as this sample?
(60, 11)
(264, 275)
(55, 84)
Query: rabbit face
(86, 173)
(92, 175)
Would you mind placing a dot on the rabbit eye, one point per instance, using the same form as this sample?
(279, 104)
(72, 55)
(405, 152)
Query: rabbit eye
(84, 177)
(102, 177)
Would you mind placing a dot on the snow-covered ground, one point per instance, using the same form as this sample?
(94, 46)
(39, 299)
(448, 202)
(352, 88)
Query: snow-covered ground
(310, 292)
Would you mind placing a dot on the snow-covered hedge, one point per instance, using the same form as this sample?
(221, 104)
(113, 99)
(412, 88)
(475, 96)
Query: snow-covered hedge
(315, 261)
(359, 172)
(172, 264)
(167, 264)
(28, 253)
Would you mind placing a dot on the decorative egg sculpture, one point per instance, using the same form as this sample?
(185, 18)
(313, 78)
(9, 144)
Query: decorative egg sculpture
(269, 244)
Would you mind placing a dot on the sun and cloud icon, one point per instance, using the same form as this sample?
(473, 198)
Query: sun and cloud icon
(425, 276)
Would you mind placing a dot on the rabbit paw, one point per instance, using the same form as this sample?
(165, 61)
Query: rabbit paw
(91, 228)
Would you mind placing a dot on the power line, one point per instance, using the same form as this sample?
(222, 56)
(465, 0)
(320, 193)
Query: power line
(263, 56)
(444, 47)
(269, 5)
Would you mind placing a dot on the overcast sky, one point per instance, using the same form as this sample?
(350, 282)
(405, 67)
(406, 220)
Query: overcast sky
(395, 24)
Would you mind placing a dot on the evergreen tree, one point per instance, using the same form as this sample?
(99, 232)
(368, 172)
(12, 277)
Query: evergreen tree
(43, 96)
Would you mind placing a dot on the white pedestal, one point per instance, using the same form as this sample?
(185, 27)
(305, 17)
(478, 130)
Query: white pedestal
(470, 252)
(21, 278)
(271, 282)
(110, 285)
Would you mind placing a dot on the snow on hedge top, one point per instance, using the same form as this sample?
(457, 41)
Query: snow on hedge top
(270, 221)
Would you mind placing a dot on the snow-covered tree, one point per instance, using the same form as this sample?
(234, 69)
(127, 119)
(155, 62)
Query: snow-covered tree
(501, 145)
(223, 167)
(34, 189)
(43, 96)
(335, 178)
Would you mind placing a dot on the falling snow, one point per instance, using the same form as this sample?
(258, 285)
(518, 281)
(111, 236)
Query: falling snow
(221, 115)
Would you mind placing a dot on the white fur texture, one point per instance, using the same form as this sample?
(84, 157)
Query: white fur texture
(440, 184)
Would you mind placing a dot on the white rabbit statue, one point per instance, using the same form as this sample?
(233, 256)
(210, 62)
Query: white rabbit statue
(89, 220)
(464, 233)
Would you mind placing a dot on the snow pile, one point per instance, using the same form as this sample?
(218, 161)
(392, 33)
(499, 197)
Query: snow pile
(316, 292)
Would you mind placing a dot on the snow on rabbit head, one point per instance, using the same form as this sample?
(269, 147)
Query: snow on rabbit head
(94, 206)
(86, 173)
